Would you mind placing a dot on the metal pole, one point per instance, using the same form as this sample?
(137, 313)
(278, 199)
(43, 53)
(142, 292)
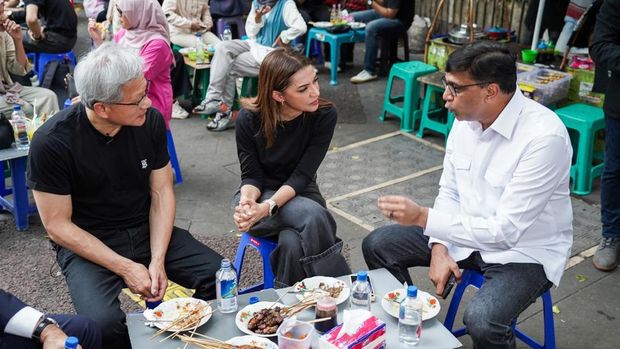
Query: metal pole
(539, 15)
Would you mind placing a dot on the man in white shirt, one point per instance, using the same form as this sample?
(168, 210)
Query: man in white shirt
(22, 326)
(503, 206)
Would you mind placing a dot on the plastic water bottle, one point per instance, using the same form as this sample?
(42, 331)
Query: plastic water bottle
(360, 292)
(410, 318)
(226, 288)
(71, 343)
(20, 129)
(333, 15)
(227, 35)
(200, 49)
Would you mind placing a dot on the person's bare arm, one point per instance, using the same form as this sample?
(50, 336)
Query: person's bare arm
(383, 11)
(32, 20)
(161, 220)
(55, 212)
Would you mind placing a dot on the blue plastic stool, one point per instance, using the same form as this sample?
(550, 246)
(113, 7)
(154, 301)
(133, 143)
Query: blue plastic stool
(334, 40)
(44, 58)
(174, 161)
(475, 278)
(264, 246)
(32, 57)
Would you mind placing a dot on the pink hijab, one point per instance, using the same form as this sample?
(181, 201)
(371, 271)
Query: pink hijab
(147, 22)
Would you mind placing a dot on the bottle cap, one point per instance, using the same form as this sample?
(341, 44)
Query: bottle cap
(254, 299)
(225, 263)
(412, 291)
(362, 275)
(17, 107)
(72, 342)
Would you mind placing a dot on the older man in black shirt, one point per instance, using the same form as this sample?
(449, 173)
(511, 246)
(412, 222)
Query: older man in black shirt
(387, 18)
(52, 26)
(101, 177)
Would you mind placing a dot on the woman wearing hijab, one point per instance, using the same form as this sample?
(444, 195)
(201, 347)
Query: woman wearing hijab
(282, 137)
(270, 23)
(144, 28)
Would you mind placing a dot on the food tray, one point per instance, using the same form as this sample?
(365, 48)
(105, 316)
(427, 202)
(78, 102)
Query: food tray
(551, 86)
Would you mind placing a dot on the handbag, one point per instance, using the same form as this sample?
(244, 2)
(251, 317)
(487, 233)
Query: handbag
(6, 132)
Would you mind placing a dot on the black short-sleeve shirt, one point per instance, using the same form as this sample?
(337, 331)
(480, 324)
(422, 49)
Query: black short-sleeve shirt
(57, 16)
(107, 178)
(405, 10)
(299, 148)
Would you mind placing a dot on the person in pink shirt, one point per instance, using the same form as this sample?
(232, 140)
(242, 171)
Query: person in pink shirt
(144, 27)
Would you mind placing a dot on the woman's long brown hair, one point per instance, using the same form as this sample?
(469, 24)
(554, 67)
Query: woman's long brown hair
(274, 75)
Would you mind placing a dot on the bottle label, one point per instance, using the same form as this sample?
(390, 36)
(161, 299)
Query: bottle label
(228, 288)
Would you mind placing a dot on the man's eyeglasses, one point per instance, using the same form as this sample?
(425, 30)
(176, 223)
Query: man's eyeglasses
(146, 93)
(455, 89)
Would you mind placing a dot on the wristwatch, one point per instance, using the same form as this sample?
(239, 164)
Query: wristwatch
(273, 207)
(41, 325)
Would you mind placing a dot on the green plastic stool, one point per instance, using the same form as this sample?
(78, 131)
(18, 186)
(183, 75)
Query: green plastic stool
(586, 121)
(434, 115)
(249, 88)
(408, 112)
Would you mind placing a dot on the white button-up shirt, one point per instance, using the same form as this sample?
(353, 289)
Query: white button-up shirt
(504, 191)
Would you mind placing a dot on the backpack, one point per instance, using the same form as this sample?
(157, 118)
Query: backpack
(6, 132)
(58, 77)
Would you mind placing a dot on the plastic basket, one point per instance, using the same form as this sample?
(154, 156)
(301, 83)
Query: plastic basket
(549, 86)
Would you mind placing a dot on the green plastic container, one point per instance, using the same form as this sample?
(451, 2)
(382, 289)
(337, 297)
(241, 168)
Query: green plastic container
(529, 56)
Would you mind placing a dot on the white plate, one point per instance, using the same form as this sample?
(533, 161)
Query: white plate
(244, 315)
(259, 342)
(429, 310)
(307, 286)
(170, 310)
(357, 25)
(322, 24)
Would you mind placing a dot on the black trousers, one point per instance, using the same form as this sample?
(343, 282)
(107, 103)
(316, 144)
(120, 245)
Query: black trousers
(94, 289)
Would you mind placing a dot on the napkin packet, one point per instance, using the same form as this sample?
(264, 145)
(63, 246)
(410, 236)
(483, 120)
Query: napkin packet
(359, 330)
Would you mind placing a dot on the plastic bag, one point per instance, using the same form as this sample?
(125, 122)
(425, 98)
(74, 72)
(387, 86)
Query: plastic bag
(417, 33)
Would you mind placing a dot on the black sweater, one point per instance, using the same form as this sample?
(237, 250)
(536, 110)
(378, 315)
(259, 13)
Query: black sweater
(293, 159)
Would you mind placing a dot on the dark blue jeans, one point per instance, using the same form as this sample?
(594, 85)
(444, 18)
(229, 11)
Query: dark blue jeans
(507, 291)
(610, 180)
(83, 328)
(376, 27)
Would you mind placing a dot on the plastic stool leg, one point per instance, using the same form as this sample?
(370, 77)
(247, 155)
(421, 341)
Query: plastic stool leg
(335, 59)
(174, 161)
(243, 243)
(583, 182)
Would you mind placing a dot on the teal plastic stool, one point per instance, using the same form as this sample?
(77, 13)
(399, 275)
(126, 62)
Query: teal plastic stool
(585, 120)
(434, 116)
(407, 112)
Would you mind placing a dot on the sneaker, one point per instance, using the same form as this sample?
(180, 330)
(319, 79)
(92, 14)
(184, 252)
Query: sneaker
(606, 256)
(178, 112)
(34, 80)
(207, 107)
(328, 65)
(362, 77)
(222, 121)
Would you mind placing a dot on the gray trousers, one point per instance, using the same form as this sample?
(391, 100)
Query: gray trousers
(307, 242)
(52, 43)
(507, 291)
(42, 99)
(232, 60)
(94, 289)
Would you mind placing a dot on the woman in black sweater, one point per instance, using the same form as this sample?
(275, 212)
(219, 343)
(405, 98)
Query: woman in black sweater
(282, 137)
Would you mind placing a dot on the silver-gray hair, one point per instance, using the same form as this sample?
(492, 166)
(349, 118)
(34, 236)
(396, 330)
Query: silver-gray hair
(100, 75)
